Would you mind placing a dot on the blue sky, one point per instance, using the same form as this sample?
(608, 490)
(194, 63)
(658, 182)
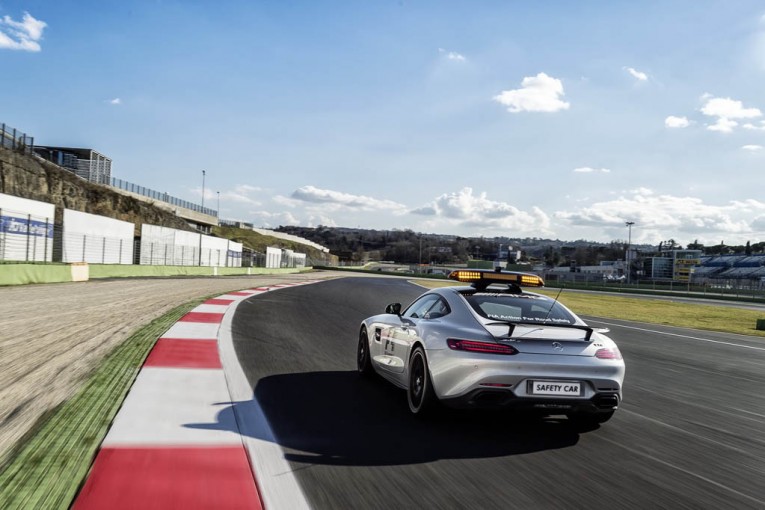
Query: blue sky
(517, 118)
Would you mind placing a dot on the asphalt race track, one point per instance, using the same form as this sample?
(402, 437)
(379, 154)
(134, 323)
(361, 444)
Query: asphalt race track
(691, 433)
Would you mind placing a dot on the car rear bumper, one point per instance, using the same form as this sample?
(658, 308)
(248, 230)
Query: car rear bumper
(492, 381)
(490, 398)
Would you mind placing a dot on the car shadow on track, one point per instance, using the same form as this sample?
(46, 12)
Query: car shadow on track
(340, 418)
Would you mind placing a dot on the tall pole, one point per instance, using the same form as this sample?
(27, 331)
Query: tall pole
(419, 265)
(203, 189)
(629, 244)
(218, 214)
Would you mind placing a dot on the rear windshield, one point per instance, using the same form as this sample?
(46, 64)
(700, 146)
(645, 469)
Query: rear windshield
(519, 308)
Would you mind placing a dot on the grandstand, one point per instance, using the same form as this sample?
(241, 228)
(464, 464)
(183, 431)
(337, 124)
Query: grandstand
(722, 268)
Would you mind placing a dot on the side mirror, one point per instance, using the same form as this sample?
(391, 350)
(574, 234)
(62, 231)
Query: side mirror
(601, 330)
(394, 308)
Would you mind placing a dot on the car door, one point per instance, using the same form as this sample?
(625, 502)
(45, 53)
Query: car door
(397, 343)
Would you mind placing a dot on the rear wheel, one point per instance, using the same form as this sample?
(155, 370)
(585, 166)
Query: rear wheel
(363, 361)
(420, 393)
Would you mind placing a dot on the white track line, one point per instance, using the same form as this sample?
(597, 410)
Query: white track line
(681, 336)
(279, 489)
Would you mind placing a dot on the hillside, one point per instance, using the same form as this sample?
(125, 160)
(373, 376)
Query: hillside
(258, 243)
(29, 177)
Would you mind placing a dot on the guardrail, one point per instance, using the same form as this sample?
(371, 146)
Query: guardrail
(162, 197)
(12, 138)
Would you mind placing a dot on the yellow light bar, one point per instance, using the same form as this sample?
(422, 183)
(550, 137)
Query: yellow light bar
(465, 276)
(488, 277)
(532, 280)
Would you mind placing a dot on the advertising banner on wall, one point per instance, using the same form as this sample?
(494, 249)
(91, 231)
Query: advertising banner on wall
(26, 229)
(96, 239)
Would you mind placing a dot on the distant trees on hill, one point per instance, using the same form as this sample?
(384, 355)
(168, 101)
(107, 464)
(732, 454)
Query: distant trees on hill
(409, 247)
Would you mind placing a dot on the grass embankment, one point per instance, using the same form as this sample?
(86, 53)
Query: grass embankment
(46, 471)
(654, 311)
(259, 242)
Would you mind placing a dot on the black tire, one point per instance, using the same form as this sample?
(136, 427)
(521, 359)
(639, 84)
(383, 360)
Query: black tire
(589, 420)
(363, 361)
(419, 394)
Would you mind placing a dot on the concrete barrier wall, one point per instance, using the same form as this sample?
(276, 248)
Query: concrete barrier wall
(96, 239)
(172, 247)
(273, 257)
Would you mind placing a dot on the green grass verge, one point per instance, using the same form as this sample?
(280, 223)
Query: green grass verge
(47, 470)
(707, 317)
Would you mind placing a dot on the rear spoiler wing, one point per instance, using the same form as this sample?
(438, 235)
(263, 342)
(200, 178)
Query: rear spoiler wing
(587, 329)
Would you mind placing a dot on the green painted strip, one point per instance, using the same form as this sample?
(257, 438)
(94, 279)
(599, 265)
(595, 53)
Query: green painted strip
(22, 274)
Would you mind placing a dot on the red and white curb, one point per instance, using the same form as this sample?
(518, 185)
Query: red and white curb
(190, 434)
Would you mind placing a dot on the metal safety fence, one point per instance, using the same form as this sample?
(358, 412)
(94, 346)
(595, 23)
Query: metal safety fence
(162, 197)
(12, 138)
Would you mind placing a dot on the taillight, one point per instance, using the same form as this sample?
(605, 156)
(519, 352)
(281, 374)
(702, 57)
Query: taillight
(612, 353)
(484, 347)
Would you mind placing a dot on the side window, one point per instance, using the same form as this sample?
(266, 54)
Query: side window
(439, 309)
(419, 308)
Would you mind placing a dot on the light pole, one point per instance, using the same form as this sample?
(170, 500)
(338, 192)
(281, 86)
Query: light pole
(629, 244)
(218, 213)
(203, 189)
(419, 260)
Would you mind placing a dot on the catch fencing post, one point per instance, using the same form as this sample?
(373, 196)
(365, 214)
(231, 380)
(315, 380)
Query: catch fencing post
(2, 229)
(47, 229)
(29, 222)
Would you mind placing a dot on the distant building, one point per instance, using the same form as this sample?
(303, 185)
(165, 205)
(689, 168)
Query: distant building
(674, 265)
(89, 164)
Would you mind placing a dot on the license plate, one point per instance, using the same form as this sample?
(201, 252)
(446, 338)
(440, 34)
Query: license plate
(557, 388)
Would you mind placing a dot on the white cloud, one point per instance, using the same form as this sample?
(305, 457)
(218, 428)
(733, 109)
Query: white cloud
(638, 75)
(728, 108)
(659, 217)
(723, 125)
(676, 122)
(479, 213)
(241, 194)
(115, 101)
(752, 148)
(540, 93)
(590, 170)
(452, 55)
(338, 199)
(272, 220)
(755, 127)
(24, 35)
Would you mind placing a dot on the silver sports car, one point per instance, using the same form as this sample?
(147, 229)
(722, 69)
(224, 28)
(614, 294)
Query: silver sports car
(491, 344)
